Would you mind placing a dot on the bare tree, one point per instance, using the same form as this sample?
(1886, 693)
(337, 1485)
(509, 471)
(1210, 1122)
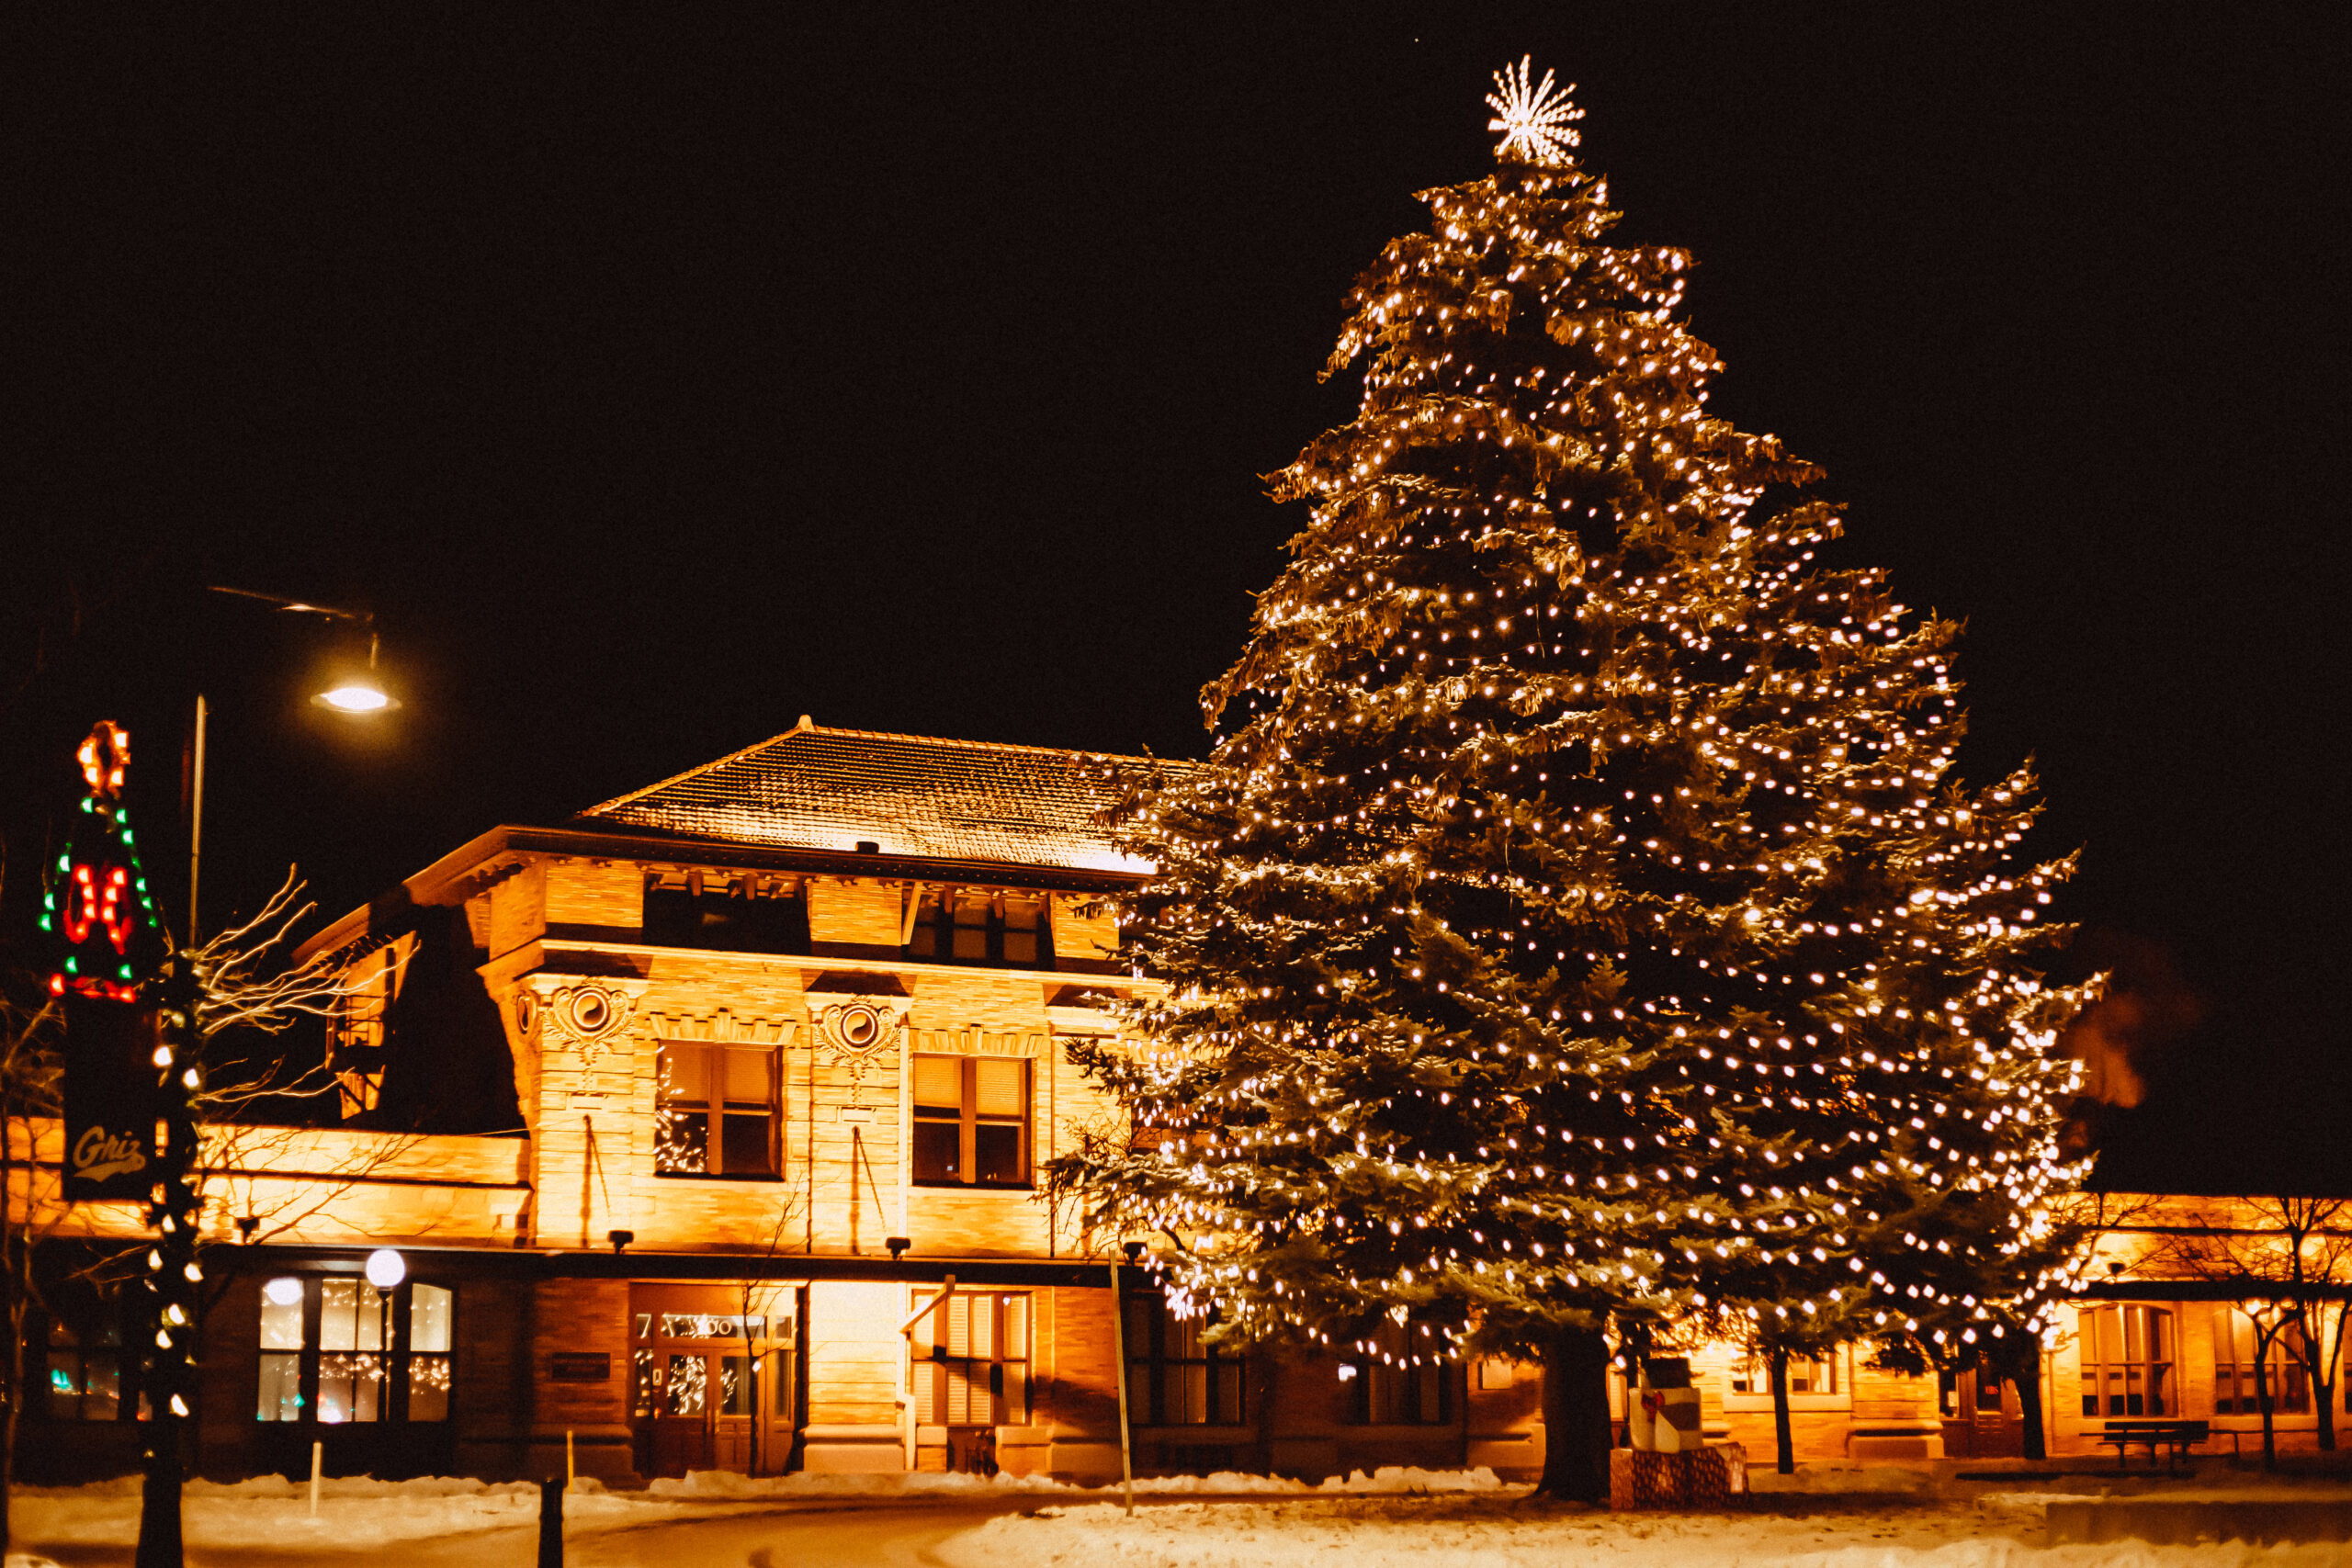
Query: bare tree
(2290, 1270)
(29, 1098)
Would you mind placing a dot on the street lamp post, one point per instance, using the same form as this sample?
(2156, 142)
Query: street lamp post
(174, 1273)
(353, 694)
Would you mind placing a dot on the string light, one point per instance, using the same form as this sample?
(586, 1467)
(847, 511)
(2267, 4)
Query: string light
(1580, 918)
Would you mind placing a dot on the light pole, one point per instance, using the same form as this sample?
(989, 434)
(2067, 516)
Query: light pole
(354, 694)
(386, 1270)
(174, 1274)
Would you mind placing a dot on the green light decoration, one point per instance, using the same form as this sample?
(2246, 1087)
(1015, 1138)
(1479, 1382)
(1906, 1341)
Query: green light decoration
(98, 908)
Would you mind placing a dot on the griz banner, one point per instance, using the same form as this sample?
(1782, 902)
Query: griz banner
(110, 1098)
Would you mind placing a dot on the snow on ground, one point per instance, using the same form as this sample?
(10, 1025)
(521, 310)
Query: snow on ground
(2001, 1531)
(719, 1483)
(1831, 1517)
(363, 1513)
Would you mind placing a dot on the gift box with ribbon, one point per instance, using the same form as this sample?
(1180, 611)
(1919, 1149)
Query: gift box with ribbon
(1701, 1478)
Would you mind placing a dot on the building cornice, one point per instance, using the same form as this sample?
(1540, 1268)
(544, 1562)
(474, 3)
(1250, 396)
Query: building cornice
(436, 882)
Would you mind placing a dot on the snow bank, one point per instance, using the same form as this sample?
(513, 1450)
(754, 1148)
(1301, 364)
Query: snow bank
(1875, 1480)
(1483, 1532)
(361, 1513)
(1398, 1479)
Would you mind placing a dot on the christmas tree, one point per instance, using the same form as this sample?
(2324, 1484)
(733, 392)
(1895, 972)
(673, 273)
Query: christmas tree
(1577, 925)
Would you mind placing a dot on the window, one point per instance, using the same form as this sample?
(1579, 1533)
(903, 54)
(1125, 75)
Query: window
(1175, 1378)
(1385, 1389)
(971, 1121)
(744, 915)
(85, 1370)
(336, 1349)
(962, 926)
(2235, 1392)
(2127, 1360)
(717, 1110)
(1807, 1375)
(971, 1354)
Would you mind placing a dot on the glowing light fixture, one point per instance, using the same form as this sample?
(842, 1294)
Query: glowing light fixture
(285, 1290)
(361, 695)
(386, 1268)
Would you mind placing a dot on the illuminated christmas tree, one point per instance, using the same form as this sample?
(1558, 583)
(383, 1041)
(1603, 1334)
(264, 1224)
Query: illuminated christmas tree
(1578, 928)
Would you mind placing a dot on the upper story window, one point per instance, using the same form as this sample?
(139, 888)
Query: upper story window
(971, 1121)
(746, 914)
(2127, 1355)
(717, 1106)
(969, 926)
(336, 1349)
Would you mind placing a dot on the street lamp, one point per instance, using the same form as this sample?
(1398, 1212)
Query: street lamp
(172, 1261)
(386, 1270)
(357, 694)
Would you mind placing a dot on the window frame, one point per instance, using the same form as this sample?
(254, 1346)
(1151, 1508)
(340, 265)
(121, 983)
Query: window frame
(1369, 1385)
(926, 1348)
(2286, 1363)
(1757, 1371)
(713, 1110)
(935, 913)
(2159, 1395)
(1149, 1363)
(396, 1365)
(760, 918)
(968, 1122)
(102, 1337)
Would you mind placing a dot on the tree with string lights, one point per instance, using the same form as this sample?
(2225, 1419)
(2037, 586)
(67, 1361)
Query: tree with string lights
(1577, 926)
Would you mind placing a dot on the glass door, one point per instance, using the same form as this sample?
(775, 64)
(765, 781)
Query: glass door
(711, 1388)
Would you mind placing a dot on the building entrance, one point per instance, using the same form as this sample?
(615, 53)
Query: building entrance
(714, 1384)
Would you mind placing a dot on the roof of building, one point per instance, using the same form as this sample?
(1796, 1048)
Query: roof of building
(909, 794)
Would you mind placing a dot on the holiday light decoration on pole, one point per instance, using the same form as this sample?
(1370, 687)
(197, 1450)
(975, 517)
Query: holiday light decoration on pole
(1578, 929)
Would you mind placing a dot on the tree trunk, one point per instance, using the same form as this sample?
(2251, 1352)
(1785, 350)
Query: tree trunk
(1576, 1416)
(1784, 1442)
(2028, 1385)
(159, 1497)
(2315, 1362)
(2262, 1400)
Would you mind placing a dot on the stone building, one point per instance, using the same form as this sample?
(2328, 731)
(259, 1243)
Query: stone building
(707, 1125)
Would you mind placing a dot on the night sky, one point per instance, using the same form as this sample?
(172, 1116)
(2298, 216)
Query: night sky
(658, 375)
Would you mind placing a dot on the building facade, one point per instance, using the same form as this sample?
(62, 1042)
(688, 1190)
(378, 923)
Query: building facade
(708, 1127)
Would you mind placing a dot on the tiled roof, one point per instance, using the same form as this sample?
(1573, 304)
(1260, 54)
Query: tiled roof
(829, 789)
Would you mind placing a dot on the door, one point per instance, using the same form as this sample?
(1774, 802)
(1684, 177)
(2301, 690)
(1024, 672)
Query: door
(1996, 1420)
(713, 1383)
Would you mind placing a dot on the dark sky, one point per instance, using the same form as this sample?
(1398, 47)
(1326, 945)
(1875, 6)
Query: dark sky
(659, 374)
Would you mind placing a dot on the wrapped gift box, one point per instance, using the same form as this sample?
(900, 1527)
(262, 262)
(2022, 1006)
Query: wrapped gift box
(1703, 1478)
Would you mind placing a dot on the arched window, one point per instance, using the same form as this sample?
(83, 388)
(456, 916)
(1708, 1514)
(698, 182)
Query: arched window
(2127, 1355)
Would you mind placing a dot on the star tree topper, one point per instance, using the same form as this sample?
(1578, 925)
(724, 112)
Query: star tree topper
(1535, 121)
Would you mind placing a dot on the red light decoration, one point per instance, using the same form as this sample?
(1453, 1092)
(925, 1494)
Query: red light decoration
(97, 906)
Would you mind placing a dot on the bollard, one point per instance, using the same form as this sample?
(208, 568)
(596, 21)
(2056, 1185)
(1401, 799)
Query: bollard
(552, 1524)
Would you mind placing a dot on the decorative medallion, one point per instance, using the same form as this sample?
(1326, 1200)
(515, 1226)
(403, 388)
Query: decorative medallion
(592, 1017)
(856, 1033)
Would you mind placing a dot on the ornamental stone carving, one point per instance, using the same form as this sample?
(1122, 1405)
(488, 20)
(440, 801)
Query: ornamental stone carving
(856, 1033)
(591, 1016)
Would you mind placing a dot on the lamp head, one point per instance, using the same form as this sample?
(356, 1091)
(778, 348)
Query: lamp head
(358, 695)
(386, 1268)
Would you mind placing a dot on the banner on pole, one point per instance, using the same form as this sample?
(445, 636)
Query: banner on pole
(111, 1100)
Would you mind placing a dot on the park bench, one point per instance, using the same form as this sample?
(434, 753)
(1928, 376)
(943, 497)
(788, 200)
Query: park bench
(2176, 1437)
